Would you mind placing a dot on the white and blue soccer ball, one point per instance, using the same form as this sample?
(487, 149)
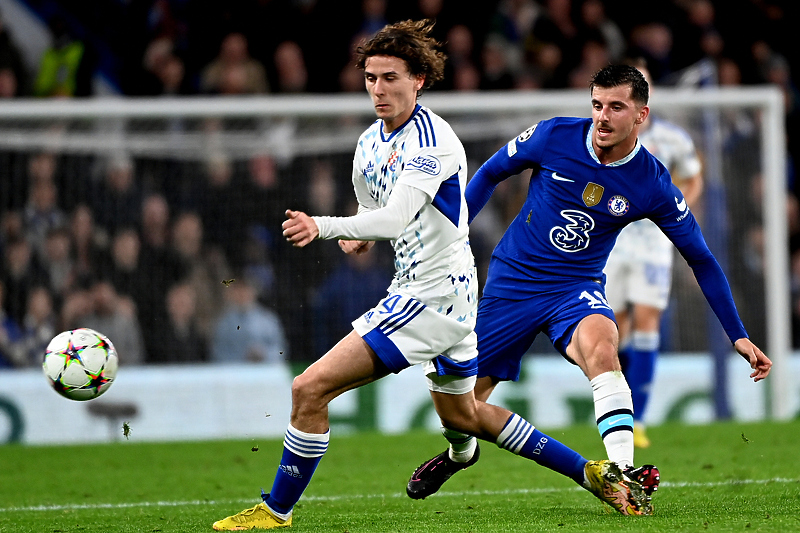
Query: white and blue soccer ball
(80, 364)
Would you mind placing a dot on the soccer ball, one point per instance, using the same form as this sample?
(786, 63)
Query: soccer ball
(80, 364)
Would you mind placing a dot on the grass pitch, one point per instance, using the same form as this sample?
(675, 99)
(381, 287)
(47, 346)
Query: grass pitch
(720, 477)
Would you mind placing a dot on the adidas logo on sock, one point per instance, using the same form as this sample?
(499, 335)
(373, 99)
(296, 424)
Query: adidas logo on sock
(291, 470)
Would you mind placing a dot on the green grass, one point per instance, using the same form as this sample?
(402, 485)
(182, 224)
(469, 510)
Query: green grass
(721, 477)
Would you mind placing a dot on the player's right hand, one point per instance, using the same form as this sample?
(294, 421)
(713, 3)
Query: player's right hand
(299, 228)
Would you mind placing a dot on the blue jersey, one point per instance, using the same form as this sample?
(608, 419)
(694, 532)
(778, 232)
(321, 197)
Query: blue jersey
(576, 207)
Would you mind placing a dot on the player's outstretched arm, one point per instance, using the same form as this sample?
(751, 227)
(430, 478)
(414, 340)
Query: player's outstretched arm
(299, 228)
(759, 362)
(355, 247)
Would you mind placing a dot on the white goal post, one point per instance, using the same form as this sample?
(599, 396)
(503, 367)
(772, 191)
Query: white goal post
(296, 126)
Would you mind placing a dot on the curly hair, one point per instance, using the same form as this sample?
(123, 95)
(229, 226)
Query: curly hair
(410, 41)
(616, 75)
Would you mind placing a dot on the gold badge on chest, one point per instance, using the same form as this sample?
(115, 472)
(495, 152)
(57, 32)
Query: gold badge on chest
(592, 194)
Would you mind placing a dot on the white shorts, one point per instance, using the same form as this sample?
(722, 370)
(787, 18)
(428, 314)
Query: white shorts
(639, 268)
(402, 331)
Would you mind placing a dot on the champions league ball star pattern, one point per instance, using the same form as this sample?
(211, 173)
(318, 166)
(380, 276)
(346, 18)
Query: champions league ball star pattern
(80, 364)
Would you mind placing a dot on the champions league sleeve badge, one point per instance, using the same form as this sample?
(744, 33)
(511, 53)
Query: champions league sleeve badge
(618, 205)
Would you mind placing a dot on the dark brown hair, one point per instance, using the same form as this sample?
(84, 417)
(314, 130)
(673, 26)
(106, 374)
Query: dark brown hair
(410, 41)
(616, 75)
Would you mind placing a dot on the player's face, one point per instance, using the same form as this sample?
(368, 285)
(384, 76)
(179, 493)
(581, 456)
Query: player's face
(393, 89)
(616, 120)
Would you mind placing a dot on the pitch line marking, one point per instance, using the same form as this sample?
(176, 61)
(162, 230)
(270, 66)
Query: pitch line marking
(441, 494)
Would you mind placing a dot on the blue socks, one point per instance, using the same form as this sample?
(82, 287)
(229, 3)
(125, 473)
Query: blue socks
(640, 368)
(520, 437)
(301, 454)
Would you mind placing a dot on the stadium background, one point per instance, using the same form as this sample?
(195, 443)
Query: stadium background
(201, 197)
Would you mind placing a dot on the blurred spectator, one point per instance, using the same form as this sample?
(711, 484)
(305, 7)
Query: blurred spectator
(10, 334)
(349, 291)
(38, 328)
(184, 341)
(593, 57)
(21, 272)
(206, 268)
(42, 214)
(115, 317)
(58, 261)
(65, 68)
(291, 68)
(14, 76)
(461, 71)
(234, 71)
(373, 16)
(247, 331)
(555, 26)
(514, 20)
(219, 208)
(263, 199)
(160, 267)
(117, 202)
(653, 42)
(89, 244)
(8, 83)
(164, 72)
(595, 25)
(497, 72)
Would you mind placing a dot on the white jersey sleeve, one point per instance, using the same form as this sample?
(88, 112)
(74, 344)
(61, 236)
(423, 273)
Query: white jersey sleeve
(385, 223)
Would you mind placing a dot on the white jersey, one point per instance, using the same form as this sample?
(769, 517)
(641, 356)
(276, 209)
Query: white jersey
(640, 264)
(424, 154)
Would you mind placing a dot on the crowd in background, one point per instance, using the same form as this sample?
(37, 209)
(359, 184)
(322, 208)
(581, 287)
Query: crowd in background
(185, 263)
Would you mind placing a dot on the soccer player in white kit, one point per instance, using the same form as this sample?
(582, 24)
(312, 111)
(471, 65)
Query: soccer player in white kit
(409, 175)
(639, 268)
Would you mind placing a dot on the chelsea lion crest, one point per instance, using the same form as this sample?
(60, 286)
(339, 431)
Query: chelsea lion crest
(618, 205)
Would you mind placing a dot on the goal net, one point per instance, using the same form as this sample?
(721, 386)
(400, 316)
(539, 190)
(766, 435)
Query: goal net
(235, 165)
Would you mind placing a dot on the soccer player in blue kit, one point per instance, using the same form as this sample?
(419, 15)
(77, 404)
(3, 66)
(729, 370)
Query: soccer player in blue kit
(409, 176)
(591, 177)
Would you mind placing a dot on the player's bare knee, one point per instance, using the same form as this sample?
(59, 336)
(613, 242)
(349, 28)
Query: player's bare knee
(305, 391)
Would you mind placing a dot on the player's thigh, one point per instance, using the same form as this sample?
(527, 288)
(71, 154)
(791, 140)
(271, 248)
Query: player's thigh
(349, 364)
(577, 302)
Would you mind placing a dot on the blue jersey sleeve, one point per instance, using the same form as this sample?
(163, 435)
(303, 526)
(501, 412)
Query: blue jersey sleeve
(678, 223)
(522, 152)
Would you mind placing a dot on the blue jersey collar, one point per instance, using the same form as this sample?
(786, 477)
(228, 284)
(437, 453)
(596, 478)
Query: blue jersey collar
(384, 137)
(622, 161)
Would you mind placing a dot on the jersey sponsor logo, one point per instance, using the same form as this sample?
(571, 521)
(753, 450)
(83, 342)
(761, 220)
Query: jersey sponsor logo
(525, 135)
(592, 194)
(556, 177)
(574, 236)
(427, 164)
(618, 205)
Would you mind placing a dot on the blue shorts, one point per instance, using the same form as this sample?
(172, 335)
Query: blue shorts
(506, 328)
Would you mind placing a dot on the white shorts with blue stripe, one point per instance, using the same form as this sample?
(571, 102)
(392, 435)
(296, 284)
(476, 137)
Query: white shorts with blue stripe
(402, 331)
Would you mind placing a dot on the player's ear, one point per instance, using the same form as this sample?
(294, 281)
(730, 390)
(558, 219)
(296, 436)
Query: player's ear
(643, 114)
(420, 82)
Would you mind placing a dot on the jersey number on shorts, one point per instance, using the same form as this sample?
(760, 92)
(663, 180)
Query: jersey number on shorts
(573, 237)
(596, 300)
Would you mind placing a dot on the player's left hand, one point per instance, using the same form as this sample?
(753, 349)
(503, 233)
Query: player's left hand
(299, 228)
(759, 362)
